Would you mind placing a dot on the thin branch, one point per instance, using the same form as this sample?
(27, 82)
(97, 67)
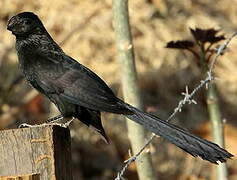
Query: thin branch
(193, 52)
(136, 133)
(209, 47)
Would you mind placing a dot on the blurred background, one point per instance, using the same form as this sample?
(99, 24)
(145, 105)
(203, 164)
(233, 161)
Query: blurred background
(84, 29)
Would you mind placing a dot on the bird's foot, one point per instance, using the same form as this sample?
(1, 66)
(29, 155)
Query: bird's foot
(69, 122)
(61, 124)
(64, 125)
(31, 126)
(54, 119)
(53, 122)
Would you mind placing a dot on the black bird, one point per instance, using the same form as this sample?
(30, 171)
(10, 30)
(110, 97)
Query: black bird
(78, 92)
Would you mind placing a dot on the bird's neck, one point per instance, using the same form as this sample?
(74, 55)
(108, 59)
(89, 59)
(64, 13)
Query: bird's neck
(29, 49)
(32, 42)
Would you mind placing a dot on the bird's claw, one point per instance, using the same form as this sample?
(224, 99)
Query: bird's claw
(24, 125)
(68, 122)
(59, 124)
(55, 119)
(31, 126)
(64, 125)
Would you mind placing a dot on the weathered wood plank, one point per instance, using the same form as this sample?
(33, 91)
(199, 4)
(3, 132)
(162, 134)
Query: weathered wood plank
(22, 177)
(40, 150)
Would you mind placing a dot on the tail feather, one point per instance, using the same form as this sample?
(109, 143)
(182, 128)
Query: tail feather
(190, 143)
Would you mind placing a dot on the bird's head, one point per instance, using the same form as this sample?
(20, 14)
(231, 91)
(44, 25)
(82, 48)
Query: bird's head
(24, 24)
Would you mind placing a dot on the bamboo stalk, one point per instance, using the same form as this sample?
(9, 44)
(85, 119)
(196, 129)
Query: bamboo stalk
(217, 127)
(131, 93)
(215, 117)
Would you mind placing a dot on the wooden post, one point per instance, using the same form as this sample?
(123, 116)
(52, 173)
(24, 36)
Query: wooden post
(44, 153)
(22, 177)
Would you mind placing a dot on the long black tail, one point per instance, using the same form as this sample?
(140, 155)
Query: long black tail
(190, 143)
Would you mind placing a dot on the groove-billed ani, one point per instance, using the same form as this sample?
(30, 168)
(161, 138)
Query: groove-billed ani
(78, 92)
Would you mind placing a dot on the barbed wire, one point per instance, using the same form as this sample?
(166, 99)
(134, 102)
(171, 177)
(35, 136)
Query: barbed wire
(188, 99)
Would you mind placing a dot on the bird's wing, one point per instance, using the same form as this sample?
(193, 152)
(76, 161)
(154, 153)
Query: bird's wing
(79, 85)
